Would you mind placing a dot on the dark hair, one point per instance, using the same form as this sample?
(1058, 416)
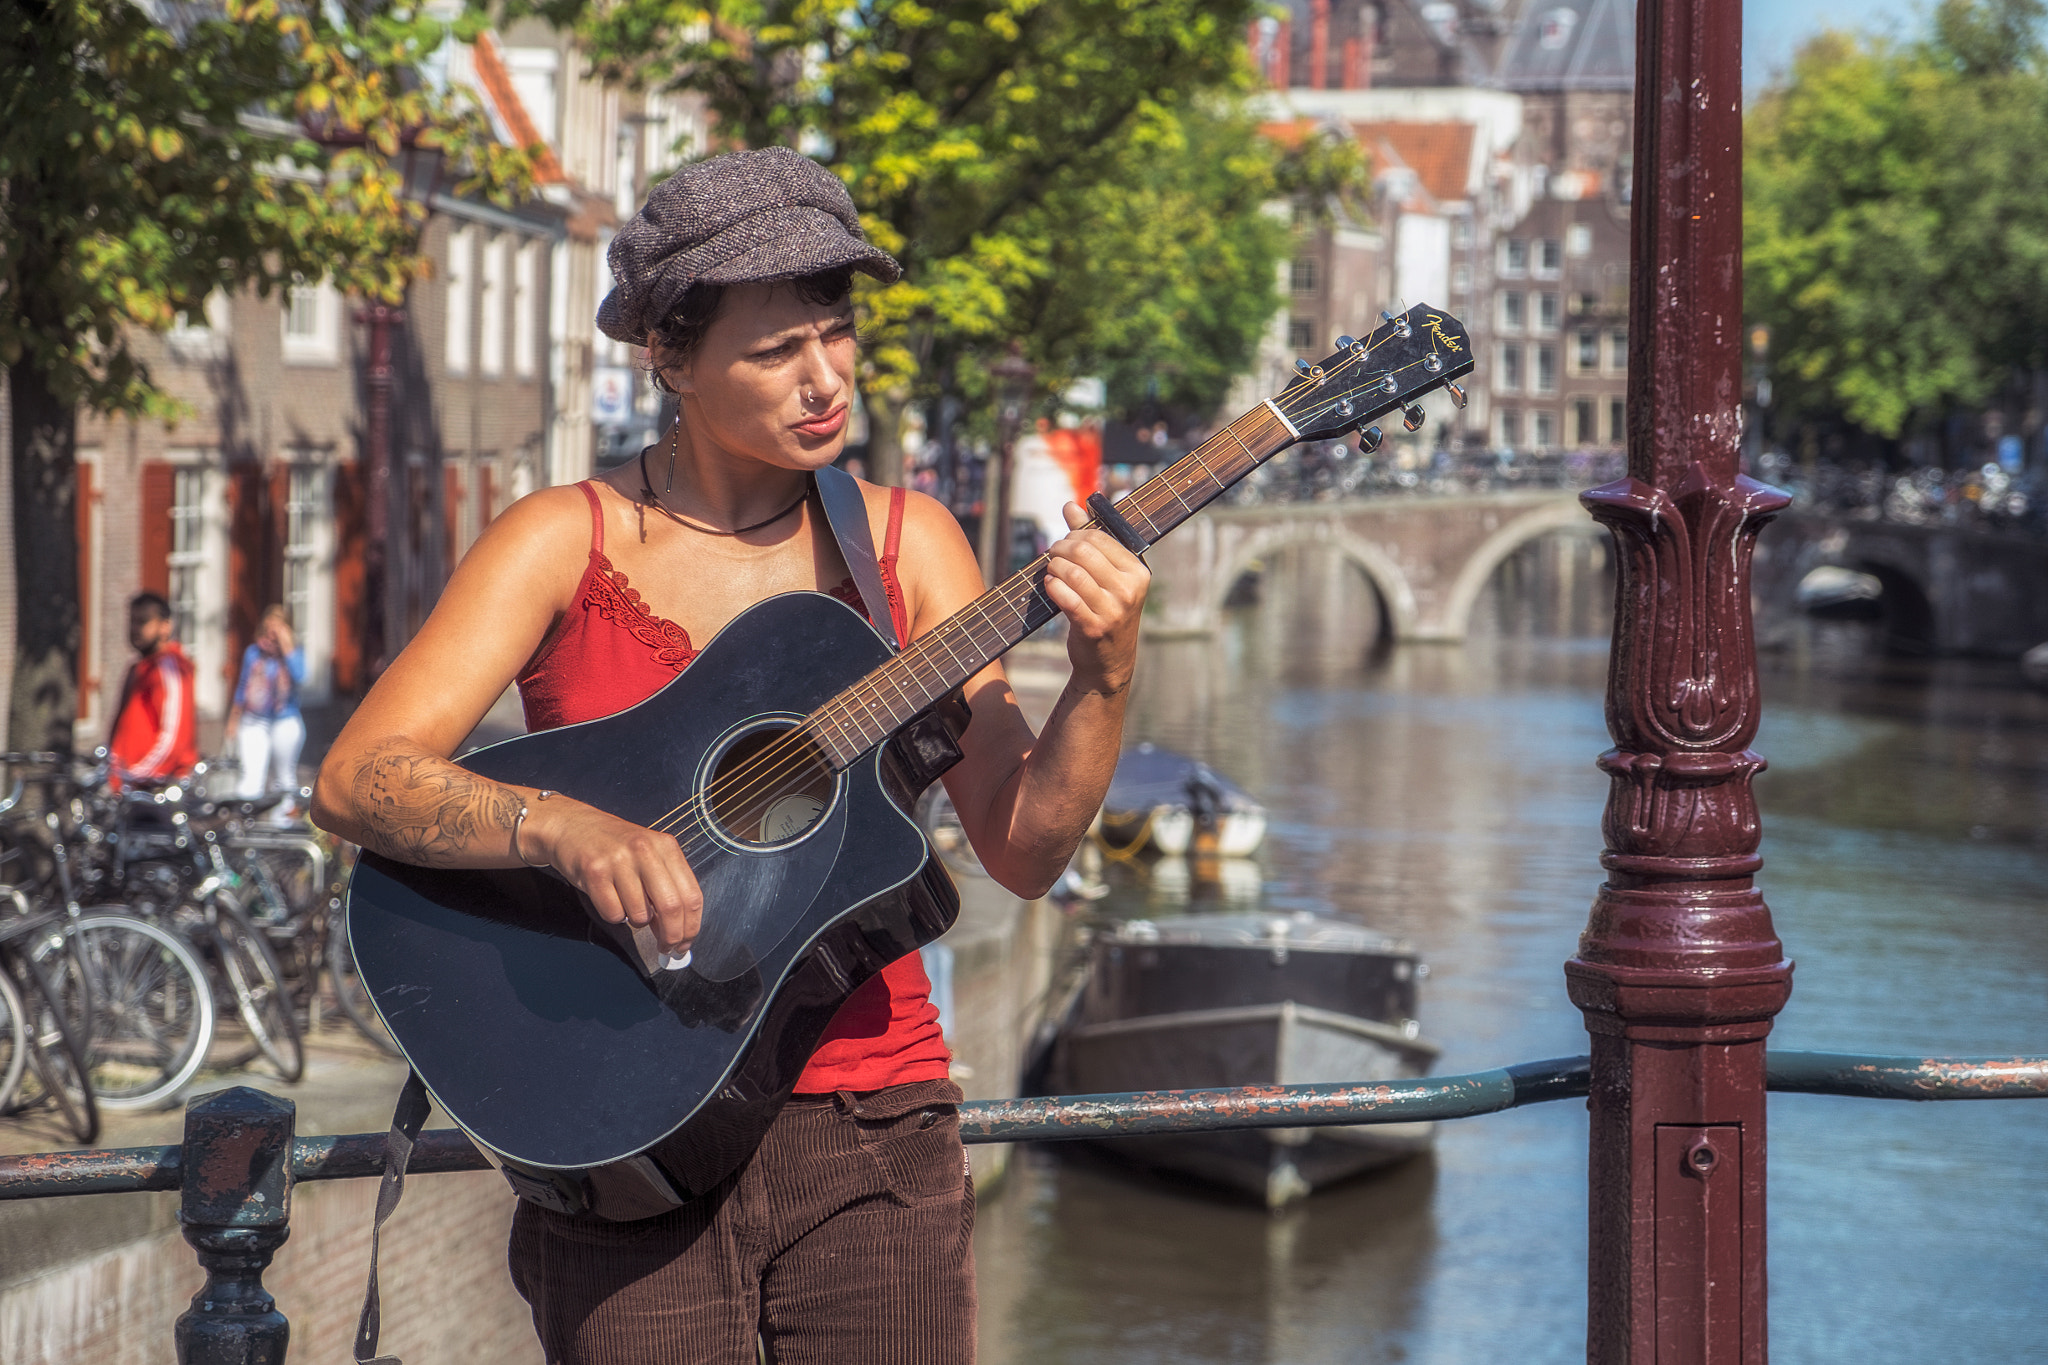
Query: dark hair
(151, 605)
(677, 337)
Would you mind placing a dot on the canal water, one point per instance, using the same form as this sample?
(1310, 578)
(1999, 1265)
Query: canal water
(1448, 795)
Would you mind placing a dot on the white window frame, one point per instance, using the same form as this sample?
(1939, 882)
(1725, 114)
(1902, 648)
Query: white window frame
(491, 292)
(1547, 258)
(309, 570)
(1578, 240)
(199, 573)
(1510, 248)
(525, 314)
(1542, 430)
(1549, 313)
(1510, 368)
(317, 306)
(207, 338)
(1544, 378)
(1514, 310)
(457, 322)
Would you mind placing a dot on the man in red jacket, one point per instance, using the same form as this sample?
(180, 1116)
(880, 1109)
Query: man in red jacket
(156, 731)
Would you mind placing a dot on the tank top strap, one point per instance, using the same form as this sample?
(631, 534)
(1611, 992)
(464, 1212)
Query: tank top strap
(899, 609)
(893, 538)
(596, 516)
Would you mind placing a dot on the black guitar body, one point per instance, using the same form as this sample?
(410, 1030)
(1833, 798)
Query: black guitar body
(608, 1090)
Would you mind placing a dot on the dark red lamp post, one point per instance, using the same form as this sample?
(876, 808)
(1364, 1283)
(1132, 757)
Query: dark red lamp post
(419, 170)
(1680, 972)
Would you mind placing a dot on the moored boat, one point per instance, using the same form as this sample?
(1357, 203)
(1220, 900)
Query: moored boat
(1165, 803)
(1249, 999)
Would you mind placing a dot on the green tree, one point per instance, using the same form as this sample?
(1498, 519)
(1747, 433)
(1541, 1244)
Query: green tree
(1008, 152)
(1896, 217)
(144, 168)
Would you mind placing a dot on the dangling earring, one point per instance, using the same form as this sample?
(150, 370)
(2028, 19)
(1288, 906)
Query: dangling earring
(668, 485)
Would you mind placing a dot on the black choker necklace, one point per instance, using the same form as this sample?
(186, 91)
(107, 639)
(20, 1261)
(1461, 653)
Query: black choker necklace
(647, 491)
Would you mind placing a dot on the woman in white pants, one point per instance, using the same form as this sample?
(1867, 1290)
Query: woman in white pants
(264, 721)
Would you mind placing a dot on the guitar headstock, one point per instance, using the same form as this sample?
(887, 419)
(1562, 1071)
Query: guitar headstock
(1406, 356)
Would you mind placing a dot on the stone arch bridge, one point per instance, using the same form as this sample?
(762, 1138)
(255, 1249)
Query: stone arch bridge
(1427, 557)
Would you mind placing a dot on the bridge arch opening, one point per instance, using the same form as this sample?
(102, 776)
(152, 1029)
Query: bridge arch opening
(1307, 604)
(1558, 584)
(1906, 623)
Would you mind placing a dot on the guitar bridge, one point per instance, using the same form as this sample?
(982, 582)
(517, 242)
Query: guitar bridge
(926, 749)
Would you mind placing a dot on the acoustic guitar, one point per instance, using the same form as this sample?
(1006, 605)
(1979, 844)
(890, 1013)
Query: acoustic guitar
(785, 760)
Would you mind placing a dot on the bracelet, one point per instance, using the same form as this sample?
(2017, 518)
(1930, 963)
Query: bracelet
(519, 821)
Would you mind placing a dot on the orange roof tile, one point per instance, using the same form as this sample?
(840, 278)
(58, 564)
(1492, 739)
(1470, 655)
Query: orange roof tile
(1440, 154)
(497, 83)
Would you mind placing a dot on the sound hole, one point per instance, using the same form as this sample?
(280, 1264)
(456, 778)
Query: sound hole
(769, 786)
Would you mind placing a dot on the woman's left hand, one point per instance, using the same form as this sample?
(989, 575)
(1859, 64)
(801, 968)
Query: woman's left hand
(1100, 587)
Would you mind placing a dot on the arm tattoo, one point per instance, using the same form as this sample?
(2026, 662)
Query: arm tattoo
(425, 810)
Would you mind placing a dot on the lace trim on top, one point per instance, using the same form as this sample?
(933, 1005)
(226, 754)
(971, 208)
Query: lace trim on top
(618, 602)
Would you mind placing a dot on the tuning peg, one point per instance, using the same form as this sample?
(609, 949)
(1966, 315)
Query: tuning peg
(1302, 365)
(1399, 320)
(1345, 343)
(1456, 391)
(1369, 440)
(1412, 416)
(1433, 363)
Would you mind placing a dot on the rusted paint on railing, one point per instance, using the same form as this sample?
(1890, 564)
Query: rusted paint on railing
(1909, 1078)
(128, 1170)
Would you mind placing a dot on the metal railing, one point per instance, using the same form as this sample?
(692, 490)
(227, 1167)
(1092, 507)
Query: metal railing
(240, 1157)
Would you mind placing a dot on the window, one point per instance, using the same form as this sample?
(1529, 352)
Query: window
(1550, 258)
(188, 550)
(1546, 312)
(525, 320)
(1583, 304)
(1461, 230)
(1510, 368)
(303, 509)
(1510, 427)
(312, 324)
(1513, 310)
(1461, 279)
(1578, 240)
(490, 335)
(1618, 351)
(1301, 334)
(1586, 429)
(1617, 422)
(1546, 435)
(204, 337)
(461, 269)
(1546, 369)
(1514, 257)
(1589, 352)
(1302, 275)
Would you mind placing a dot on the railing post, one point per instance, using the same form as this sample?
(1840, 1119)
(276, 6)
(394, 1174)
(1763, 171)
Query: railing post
(236, 1207)
(1680, 971)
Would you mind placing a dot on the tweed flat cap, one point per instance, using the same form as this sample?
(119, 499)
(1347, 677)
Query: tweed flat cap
(742, 218)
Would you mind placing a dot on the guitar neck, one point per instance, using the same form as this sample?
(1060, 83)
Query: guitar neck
(893, 695)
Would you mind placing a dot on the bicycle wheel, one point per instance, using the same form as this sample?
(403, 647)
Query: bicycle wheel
(55, 1059)
(152, 1008)
(13, 1038)
(348, 986)
(255, 982)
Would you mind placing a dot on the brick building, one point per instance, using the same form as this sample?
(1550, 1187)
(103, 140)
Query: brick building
(1499, 141)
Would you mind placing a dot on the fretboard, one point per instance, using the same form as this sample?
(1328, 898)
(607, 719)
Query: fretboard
(889, 698)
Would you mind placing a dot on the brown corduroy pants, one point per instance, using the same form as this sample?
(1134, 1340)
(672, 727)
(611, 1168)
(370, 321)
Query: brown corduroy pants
(846, 1240)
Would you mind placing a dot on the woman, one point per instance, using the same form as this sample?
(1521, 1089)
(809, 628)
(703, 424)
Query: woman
(846, 1238)
(264, 716)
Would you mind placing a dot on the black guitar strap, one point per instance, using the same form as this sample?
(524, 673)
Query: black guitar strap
(398, 1144)
(846, 512)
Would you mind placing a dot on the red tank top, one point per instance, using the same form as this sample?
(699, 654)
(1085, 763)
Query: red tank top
(608, 653)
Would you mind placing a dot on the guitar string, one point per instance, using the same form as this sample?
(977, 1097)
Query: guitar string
(766, 777)
(796, 753)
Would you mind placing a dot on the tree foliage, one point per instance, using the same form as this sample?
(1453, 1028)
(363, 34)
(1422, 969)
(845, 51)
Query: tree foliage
(1072, 175)
(150, 155)
(1896, 217)
(147, 166)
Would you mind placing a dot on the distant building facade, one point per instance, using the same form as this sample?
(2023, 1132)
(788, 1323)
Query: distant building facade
(1500, 146)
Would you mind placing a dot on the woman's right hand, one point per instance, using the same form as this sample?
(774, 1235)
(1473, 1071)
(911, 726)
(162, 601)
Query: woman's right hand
(632, 874)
